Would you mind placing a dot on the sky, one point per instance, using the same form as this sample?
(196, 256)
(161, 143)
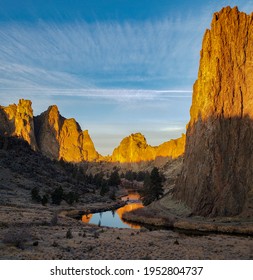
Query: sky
(116, 66)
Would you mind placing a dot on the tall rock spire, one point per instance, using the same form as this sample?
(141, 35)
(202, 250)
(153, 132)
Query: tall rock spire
(217, 175)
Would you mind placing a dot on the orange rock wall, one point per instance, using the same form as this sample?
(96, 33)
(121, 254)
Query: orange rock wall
(217, 176)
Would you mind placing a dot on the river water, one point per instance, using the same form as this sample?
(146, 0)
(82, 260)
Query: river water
(114, 218)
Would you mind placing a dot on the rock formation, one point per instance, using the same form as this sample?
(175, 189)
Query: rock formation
(50, 133)
(17, 120)
(47, 130)
(217, 175)
(61, 138)
(172, 149)
(134, 148)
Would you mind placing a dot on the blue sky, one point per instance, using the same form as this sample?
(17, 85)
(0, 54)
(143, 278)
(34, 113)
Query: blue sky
(117, 66)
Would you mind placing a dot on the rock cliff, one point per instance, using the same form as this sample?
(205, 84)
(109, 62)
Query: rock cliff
(47, 130)
(17, 120)
(61, 138)
(135, 148)
(217, 174)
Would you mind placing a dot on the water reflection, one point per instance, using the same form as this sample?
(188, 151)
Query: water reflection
(128, 208)
(114, 218)
(86, 218)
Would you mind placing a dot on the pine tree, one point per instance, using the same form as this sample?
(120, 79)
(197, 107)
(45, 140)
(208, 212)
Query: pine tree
(114, 179)
(152, 189)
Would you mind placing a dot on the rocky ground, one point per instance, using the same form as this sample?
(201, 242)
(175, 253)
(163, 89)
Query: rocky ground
(32, 232)
(29, 230)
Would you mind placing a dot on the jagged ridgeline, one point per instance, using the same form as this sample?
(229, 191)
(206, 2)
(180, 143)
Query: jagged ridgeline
(61, 138)
(50, 133)
(217, 174)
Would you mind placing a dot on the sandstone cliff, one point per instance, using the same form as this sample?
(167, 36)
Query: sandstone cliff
(17, 120)
(61, 138)
(217, 177)
(135, 148)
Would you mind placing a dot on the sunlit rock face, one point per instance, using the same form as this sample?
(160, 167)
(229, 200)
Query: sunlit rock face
(217, 175)
(173, 148)
(135, 148)
(61, 138)
(17, 120)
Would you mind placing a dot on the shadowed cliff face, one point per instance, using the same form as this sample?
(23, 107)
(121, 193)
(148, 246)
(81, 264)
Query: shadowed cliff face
(49, 124)
(217, 174)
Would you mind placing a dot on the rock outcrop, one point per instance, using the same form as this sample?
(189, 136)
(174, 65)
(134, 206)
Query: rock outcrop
(17, 120)
(61, 138)
(134, 149)
(172, 149)
(217, 175)
(47, 130)
(50, 133)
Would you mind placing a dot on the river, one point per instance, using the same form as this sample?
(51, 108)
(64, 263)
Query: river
(114, 218)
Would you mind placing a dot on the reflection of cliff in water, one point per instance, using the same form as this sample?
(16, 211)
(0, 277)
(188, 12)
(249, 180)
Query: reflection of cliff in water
(114, 218)
(128, 208)
(86, 218)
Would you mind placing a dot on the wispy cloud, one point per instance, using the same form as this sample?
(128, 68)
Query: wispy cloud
(82, 55)
(124, 77)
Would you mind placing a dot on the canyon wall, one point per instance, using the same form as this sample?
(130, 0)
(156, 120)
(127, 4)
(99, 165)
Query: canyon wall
(217, 174)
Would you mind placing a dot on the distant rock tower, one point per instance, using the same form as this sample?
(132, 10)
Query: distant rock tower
(217, 175)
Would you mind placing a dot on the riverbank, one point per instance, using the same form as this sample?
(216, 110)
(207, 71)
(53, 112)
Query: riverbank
(172, 214)
(31, 231)
(78, 212)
